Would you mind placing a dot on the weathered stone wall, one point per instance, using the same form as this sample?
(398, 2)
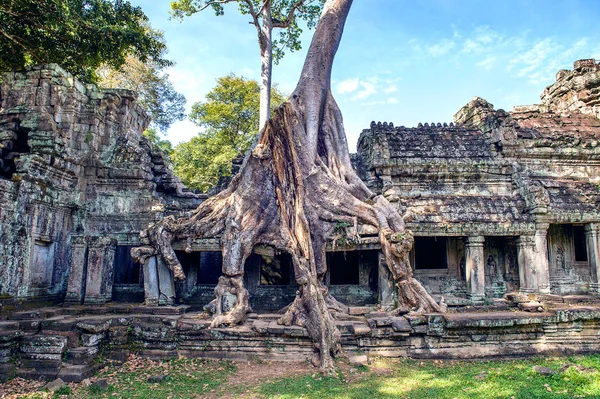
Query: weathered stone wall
(77, 178)
(494, 174)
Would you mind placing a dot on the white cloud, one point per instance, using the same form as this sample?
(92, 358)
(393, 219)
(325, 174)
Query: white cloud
(487, 63)
(367, 89)
(347, 86)
(391, 89)
(392, 100)
(441, 48)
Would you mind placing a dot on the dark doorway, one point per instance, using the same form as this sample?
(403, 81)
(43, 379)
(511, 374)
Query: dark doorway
(580, 244)
(344, 268)
(126, 270)
(211, 265)
(430, 253)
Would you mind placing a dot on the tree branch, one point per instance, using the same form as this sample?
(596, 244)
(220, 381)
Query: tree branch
(213, 2)
(14, 40)
(286, 24)
(254, 15)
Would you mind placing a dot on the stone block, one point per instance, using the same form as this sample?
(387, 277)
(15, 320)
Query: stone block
(261, 327)
(359, 360)
(531, 306)
(40, 363)
(361, 329)
(55, 385)
(275, 328)
(400, 324)
(26, 315)
(77, 373)
(295, 331)
(44, 344)
(94, 327)
(358, 310)
(91, 339)
(82, 355)
(37, 374)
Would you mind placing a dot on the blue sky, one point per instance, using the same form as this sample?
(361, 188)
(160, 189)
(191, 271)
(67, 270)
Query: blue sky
(401, 61)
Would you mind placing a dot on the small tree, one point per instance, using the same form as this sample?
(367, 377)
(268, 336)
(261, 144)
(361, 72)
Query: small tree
(230, 116)
(80, 35)
(266, 15)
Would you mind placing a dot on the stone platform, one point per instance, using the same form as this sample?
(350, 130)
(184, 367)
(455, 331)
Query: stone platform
(71, 342)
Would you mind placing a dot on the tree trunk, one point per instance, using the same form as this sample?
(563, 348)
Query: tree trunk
(265, 43)
(294, 189)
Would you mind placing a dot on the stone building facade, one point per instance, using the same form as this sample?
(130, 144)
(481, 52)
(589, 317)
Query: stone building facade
(77, 183)
(499, 201)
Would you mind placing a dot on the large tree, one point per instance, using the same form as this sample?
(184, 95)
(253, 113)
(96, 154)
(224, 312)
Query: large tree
(265, 15)
(230, 118)
(295, 189)
(80, 35)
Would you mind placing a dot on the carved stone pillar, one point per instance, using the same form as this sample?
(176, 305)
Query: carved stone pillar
(534, 267)
(592, 236)
(387, 289)
(159, 286)
(76, 284)
(151, 290)
(474, 269)
(527, 270)
(100, 262)
(540, 261)
(166, 284)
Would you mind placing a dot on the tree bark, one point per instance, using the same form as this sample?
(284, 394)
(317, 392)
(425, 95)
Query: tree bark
(294, 189)
(265, 42)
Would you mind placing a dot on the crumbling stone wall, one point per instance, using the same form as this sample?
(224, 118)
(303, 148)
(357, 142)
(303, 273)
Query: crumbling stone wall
(498, 181)
(77, 178)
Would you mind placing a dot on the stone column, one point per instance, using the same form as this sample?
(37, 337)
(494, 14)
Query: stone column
(76, 284)
(387, 289)
(534, 267)
(100, 265)
(166, 283)
(474, 269)
(151, 290)
(592, 234)
(540, 261)
(527, 270)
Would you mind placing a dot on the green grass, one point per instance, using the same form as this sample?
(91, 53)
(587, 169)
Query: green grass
(576, 377)
(185, 378)
(438, 380)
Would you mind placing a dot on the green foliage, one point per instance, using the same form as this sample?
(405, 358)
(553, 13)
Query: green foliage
(163, 145)
(149, 79)
(230, 116)
(63, 391)
(307, 11)
(80, 35)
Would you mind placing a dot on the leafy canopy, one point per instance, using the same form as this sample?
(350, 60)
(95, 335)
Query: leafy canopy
(285, 14)
(230, 117)
(80, 35)
(157, 95)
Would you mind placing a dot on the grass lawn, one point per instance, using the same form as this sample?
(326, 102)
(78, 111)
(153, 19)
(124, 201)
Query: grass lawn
(576, 377)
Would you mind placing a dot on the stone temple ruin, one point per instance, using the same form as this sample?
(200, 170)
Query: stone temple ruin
(505, 208)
